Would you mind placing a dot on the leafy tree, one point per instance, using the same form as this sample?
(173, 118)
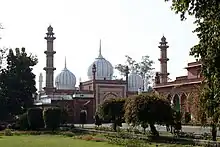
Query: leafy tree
(207, 19)
(112, 109)
(143, 68)
(17, 82)
(149, 108)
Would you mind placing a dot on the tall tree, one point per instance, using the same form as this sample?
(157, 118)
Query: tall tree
(17, 81)
(142, 68)
(207, 19)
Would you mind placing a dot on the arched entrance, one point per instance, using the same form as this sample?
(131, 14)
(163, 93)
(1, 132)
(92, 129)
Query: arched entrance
(109, 95)
(176, 102)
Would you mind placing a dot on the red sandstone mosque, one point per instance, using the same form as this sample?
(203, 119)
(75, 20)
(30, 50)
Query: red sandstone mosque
(89, 94)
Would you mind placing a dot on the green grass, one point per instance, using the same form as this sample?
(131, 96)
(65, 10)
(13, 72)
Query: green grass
(61, 141)
(48, 141)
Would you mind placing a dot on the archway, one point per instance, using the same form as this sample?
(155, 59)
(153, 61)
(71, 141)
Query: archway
(183, 101)
(110, 95)
(176, 102)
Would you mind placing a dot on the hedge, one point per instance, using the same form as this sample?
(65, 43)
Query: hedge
(35, 118)
(52, 117)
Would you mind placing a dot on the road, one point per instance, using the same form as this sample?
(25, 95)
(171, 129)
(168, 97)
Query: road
(189, 129)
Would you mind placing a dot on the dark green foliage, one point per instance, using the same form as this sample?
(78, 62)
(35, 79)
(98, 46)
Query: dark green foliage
(187, 117)
(83, 117)
(35, 118)
(52, 117)
(149, 108)
(112, 109)
(17, 82)
(207, 20)
(177, 116)
(23, 122)
(64, 116)
(98, 121)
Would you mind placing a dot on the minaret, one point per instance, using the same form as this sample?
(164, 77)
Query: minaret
(163, 60)
(40, 82)
(49, 61)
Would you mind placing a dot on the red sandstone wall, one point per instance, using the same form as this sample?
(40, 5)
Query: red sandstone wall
(74, 107)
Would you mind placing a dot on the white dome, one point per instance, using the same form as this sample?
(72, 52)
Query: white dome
(135, 82)
(104, 69)
(66, 80)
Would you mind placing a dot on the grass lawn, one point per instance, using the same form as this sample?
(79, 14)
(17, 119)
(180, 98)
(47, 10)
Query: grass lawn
(60, 141)
(48, 141)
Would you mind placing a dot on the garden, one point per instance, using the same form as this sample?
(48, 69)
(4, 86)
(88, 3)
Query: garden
(47, 126)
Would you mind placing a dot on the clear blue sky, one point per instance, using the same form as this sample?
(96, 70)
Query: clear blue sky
(126, 27)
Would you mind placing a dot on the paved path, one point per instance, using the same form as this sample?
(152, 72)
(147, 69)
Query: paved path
(189, 129)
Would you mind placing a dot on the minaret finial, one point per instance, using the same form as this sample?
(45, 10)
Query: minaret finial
(100, 49)
(65, 63)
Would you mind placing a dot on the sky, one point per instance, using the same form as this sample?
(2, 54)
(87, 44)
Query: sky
(126, 27)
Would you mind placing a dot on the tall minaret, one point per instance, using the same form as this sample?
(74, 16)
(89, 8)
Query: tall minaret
(49, 60)
(40, 82)
(163, 60)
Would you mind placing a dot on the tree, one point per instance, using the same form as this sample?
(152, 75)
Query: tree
(142, 68)
(17, 82)
(149, 108)
(112, 109)
(207, 19)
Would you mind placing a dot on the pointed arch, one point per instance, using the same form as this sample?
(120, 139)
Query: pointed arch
(110, 95)
(183, 102)
(176, 102)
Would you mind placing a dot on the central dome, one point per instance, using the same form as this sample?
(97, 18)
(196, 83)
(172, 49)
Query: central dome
(66, 80)
(104, 69)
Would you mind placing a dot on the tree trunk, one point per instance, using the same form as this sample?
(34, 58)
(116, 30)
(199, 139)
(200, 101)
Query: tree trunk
(214, 132)
(154, 130)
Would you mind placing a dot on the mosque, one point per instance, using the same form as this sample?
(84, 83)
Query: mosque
(182, 92)
(88, 94)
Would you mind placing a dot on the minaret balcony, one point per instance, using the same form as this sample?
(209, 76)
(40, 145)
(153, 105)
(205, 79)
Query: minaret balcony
(162, 60)
(49, 68)
(50, 52)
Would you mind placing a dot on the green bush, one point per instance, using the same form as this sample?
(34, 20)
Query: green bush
(8, 132)
(187, 117)
(23, 122)
(64, 116)
(98, 121)
(35, 118)
(52, 117)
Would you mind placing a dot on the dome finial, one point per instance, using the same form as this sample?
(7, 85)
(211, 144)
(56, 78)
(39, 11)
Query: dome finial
(100, 49)
(65, 63)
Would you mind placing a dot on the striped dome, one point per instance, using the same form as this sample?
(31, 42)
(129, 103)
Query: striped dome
(104, 69)
(66, 80)
(135, 82)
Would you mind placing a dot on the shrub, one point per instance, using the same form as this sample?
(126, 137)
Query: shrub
(8, 132)
(64, 116)
(35, 118)
(68, 134)
(83, 116)
(187, 117)
(52, 117)
(23, 122)
(98, 121)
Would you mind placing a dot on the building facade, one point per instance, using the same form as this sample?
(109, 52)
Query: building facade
(183, 92)
(62, 90)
